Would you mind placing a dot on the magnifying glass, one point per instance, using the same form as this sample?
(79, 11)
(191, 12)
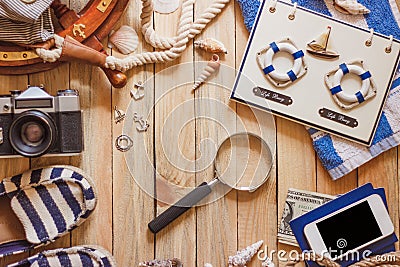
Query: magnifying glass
(243, 162)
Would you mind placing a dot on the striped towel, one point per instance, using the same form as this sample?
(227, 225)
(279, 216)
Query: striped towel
(86, 256)
(49, 202)
(339, 156)
(23, 23)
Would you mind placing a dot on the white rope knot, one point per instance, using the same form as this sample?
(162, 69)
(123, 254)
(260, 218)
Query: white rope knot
(51, 55)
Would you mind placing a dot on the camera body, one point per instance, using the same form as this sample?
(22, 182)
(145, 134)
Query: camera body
(34, 123)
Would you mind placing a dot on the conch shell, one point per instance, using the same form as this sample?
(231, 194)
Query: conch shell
(162, 263)
(212, 66)
(211, 45)
(125, 39)
(351, 7)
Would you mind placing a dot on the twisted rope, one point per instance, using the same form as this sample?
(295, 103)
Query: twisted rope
(391, 259)
(51, 55)
(159, 56)
(197, 27)
(173, 46)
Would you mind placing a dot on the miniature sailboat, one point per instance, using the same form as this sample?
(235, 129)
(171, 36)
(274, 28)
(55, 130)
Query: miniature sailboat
(319, 46)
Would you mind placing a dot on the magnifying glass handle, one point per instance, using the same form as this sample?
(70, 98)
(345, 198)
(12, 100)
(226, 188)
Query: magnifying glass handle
(180, 207)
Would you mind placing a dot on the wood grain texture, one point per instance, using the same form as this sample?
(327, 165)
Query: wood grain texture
(176, 147)
(179, 238)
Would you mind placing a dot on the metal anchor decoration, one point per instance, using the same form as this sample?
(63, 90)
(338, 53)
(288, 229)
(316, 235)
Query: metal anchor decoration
(142, 123)
(78, 30)
(138, 91)
(119, 115)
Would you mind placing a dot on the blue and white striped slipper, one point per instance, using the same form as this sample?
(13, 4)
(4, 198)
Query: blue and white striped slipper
(41, 205)
(85, 256)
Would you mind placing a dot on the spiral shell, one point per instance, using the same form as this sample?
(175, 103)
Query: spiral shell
(212, 66)
(162, 263)
(125, 39)
(351, 7)
(165, 6)
(211, 45)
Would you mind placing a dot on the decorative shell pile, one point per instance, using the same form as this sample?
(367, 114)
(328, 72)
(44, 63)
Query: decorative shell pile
(212, 66)
(125, 39)
(244, 256)
(211, 45)
(351, 7)
(162, 263)
(165, 6)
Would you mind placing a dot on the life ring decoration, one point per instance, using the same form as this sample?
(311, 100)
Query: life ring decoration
(344, 99)
(281, 79)
(88, 26)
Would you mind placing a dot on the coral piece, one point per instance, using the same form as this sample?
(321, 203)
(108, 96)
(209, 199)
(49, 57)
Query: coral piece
(351, 7)
(212, 66)
(162, 263)
(125, 39)
(244, 256)
(211, 45)
(165, 6)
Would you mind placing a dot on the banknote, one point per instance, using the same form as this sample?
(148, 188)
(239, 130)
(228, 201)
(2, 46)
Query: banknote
(297, 203)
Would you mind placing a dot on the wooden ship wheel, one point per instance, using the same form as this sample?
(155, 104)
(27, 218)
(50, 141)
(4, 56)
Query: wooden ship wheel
(89, 26)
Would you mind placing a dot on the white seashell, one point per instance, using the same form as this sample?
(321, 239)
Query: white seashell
(162, 263)
(267, 263)
(165, 6)
(243, 256)
(211, 45)
(125, 39)
(208, 265)
(212, 66)
(351, 7)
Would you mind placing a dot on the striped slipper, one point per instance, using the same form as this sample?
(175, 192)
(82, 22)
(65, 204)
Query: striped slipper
(85, 256)
(40, 205)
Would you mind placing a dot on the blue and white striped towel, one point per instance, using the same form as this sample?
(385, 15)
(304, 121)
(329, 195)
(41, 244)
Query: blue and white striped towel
(339, 156)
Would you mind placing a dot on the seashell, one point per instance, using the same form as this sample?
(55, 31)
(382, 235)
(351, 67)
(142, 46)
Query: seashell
(125, 39)
(212, 66)
(162, 263)
(211, 45)
(243, 256)
(165, 6)
(267, 263)
(351, 7)
(208, 265)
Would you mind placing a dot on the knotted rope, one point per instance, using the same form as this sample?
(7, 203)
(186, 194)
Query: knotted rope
(390, 259)
(54, 54)
(174, 46)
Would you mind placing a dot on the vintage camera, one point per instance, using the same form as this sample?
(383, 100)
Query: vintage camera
(34, 123)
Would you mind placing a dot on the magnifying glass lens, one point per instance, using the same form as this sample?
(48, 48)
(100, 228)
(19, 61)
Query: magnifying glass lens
(243, 162)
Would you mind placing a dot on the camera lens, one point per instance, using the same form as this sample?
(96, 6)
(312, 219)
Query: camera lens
(32, 134)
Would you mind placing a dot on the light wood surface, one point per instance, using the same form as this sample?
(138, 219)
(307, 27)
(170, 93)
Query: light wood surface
(209, 233)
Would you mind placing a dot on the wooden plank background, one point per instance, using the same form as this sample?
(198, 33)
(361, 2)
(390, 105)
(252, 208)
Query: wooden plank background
(208, 233)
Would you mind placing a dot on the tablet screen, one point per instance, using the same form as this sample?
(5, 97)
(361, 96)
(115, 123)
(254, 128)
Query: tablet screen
(349, 229)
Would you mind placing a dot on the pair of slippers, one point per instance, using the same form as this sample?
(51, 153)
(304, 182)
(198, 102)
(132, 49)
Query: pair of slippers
(41, 205)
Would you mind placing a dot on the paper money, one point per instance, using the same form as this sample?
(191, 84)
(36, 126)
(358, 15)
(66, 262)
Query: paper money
(298, 202)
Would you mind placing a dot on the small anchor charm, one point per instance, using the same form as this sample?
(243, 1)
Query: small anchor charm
(138, 92)
(142, 123)
(78, 29)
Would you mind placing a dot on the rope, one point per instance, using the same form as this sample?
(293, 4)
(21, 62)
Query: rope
(197, 27)
(173, 46)
(391, 259)
(54, 54)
